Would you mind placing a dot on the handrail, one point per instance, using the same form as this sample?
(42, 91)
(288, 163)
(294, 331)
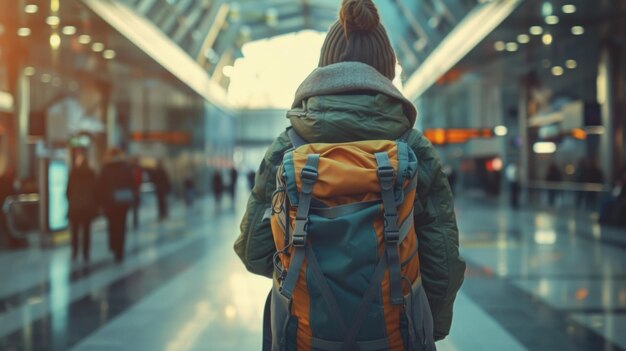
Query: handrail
(568, 186)
(13, 201)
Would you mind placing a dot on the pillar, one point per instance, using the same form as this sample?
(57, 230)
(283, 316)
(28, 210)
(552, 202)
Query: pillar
(610, 155)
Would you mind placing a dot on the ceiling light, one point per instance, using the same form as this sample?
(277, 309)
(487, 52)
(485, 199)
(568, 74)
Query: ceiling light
(23, 32)
(29, 71)
(499, 45)
(552, 20)
(544, 147)
(53, 21)
(500, 131)
(46, 78)
(578, 30)
(31, 8)
(108, 54)
(536, 30)
(546, 63)
(547, 39)
(546, 9)
(523, 38)
(511, 46)
(571, 64)
(97, 47)
(69, 30)
(557, 71)
(84, 39)
(55, 41)
(569, 8)
(56, 81)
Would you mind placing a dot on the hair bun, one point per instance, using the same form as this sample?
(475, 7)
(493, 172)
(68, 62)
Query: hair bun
(359, 15)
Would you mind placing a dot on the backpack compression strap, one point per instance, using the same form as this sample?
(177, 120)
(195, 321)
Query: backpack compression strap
(308, 178)
(392, 232)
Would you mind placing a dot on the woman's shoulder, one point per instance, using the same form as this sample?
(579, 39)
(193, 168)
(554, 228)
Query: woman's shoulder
(278, 148)
(422, 147)
(428, 161)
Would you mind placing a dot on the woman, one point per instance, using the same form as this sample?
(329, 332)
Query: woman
(81, 196)
(350, 97)
(116, 194)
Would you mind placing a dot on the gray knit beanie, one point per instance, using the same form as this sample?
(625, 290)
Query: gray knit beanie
(359, 36)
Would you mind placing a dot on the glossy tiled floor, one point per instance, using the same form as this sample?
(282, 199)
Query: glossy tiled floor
(535, 281)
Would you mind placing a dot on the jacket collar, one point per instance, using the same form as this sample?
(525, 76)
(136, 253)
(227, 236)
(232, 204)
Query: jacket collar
(346, 77)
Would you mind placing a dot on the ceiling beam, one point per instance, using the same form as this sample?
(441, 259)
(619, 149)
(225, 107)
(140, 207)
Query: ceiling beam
(412, 21)
(481, 21)
(148, 38)
(215, 22)
(144, 6)
(190, 22)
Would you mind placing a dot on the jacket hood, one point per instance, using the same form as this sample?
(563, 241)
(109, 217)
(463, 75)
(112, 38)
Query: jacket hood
(350, 101)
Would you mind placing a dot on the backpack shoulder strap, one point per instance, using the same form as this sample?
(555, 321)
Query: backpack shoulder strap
(405, 137)
(295, 138)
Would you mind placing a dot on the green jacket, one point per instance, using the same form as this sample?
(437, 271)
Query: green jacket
(348, 102)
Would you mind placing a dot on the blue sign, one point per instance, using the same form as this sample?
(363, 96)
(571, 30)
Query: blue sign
(58, 175)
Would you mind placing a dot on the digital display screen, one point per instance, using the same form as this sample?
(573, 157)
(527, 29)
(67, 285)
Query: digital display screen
(58, 175)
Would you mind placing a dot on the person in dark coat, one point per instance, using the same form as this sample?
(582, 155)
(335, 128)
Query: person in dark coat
(115, 192)
(218, 188)
(81, 197)
(6, 189)
(162, 188)
(190, 191)
(137, 179)
(234, 175)
(251, 175)
(553, 176)
(351, 97)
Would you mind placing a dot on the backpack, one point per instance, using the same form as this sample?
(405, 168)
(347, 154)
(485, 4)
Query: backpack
(346, 263)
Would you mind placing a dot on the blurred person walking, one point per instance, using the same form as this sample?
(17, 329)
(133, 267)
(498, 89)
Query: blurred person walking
(83, 208)
(613, 205)
(553, 176)
(452, 177)
(189, 187)
(351, 98)
(512, 176)
(116, 193)
(218, 189)
(582, 176)
(250, 176)
(595, 176)
(7, 188)
(137, 181)
(162, 187)
(234, 176)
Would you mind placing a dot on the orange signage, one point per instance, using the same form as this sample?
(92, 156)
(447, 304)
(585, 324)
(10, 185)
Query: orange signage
(442, 136)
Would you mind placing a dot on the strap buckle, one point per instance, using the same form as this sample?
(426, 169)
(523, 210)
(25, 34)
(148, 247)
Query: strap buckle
(309, 174)
(392, 236)
(386, 173)
(281, 289)
(390, 220)
(300, 232)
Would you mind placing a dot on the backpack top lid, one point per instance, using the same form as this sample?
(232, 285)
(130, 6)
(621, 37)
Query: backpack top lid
(348, 172)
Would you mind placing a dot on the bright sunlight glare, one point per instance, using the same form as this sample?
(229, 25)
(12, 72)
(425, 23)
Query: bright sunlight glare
(272, 69)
